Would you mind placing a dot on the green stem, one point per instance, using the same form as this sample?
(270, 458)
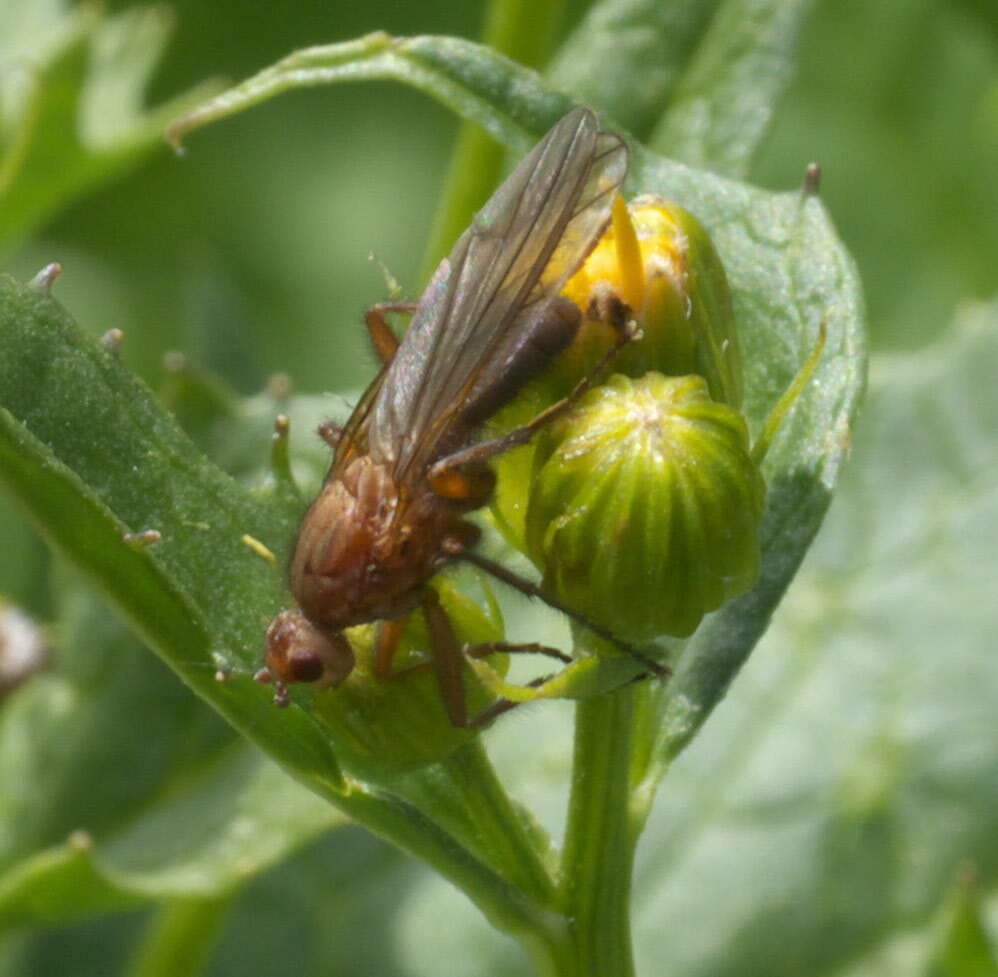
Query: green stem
(600, 839)
(524, 31)
(180, 938)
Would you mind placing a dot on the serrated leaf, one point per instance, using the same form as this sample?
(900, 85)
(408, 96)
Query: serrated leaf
(95, 459)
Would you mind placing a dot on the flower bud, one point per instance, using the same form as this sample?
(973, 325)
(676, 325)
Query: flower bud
(645, 505)
(656, 266)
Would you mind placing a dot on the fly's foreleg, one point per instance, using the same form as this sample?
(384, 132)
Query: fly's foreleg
(387, 637)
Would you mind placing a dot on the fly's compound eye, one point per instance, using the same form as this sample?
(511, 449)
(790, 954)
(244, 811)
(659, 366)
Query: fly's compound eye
(298, 652)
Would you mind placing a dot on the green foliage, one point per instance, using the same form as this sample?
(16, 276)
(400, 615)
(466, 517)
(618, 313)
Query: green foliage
(94, 459)
(71, 114)
(815, 824)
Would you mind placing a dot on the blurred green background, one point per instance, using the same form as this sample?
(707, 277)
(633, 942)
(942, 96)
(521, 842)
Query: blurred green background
(250, 254)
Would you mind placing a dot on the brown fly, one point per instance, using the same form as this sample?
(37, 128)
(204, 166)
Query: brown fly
(410, 463)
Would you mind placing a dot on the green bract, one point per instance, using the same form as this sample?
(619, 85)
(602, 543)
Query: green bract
(645, 506)
(387, 726)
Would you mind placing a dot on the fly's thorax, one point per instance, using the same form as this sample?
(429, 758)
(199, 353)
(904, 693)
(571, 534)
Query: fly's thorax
(367, 547)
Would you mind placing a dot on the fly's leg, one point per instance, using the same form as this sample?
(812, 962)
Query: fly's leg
(457, 549)
(386, 644)
(448, 660)
(382, 335)
(508, 648)
(498, 708)
(389, 633)
(476, 455)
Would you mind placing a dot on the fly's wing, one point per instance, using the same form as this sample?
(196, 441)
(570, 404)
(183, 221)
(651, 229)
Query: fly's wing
(533, 234)
(353, 437)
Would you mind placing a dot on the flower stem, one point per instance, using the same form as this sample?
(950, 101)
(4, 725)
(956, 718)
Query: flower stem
(600, 840)
(181, 936)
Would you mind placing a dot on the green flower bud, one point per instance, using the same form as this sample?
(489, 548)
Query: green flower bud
(385, 727)
(645, 506)
(657, 266)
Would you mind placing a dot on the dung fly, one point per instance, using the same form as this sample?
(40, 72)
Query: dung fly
(411, 461)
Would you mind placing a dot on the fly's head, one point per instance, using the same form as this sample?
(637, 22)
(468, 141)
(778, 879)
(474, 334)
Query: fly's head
(297, 651)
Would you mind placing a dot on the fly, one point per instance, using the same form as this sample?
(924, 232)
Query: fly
(410, 463)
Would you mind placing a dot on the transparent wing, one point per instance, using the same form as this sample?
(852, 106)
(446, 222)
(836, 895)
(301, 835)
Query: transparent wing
(536, 230)
(353, 438)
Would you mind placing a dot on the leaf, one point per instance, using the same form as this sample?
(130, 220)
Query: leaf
(962, 948)
(854, 769)
(92, 809)
(787, 271)
(723, 105)
(700, 78)
(197, 593)
(627, 57)
(71, 114)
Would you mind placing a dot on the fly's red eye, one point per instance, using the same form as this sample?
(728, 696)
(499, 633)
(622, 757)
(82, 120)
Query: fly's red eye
(304, 665)
(297, 651)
